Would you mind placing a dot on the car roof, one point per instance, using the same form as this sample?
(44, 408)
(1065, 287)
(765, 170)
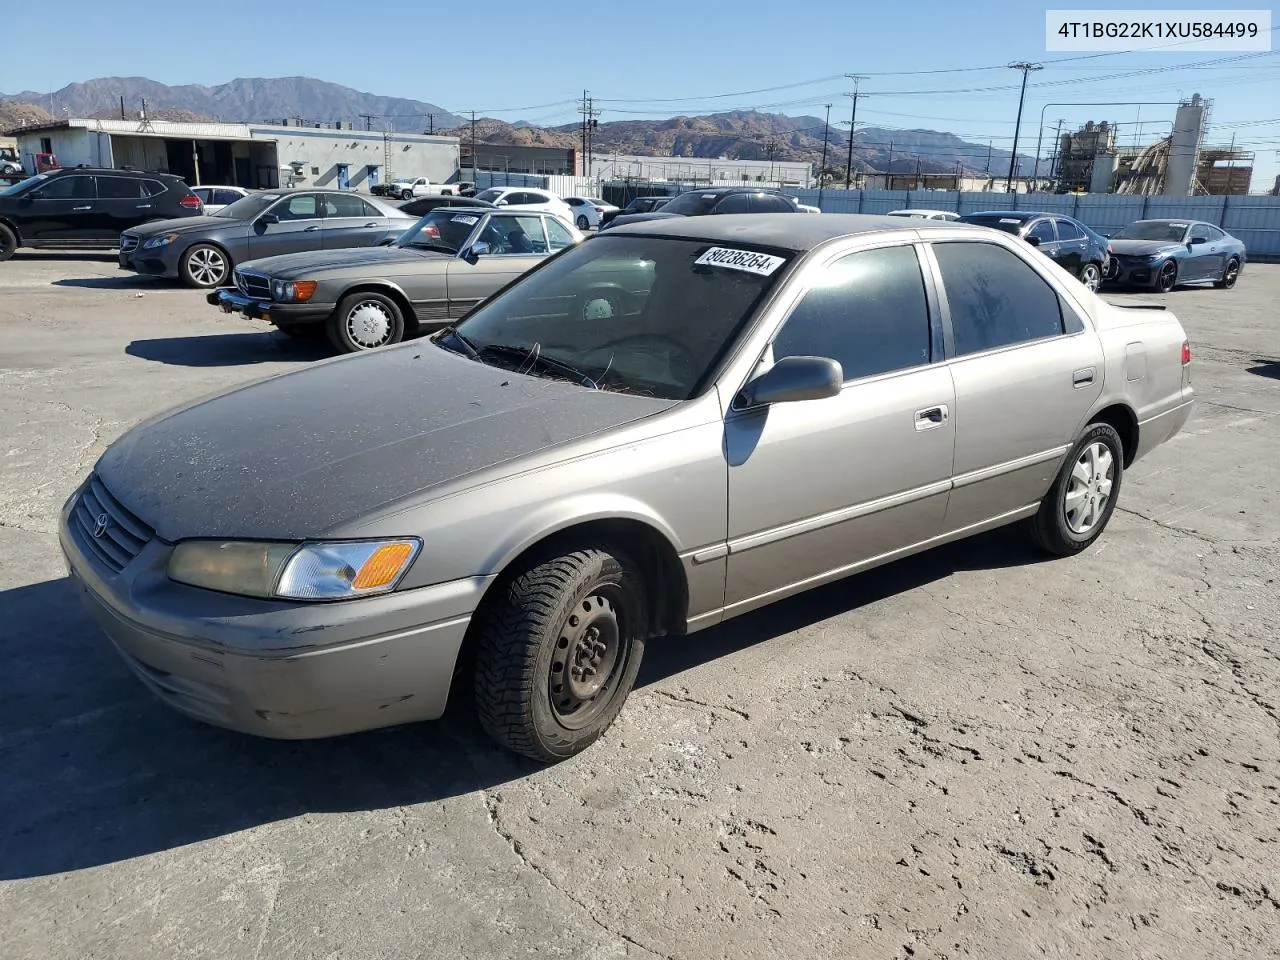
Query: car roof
(783, 230)
(728, 190)
(1013, 214)
(115, 171)
(1171, 220)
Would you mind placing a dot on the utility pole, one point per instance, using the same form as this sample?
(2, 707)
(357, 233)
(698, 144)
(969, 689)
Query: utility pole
(122, 116)
(589, 125)
(888, 171)
(988, 157)
(368, 120)
(431, 123)
(853, 120)
(1026, 68)
(822, 170)
(583, 110)
(473, 146)
(917, 186)
(771, 148)
(1057, 148)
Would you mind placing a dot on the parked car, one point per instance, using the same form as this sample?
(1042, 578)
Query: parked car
(10, 163)
(588, 211)
(1079, 250)
(408, 187)
(637, 205)
(88, 207)
(421, 206)
(715, 200)
(452, 259)
(518, 503)
(215, 198)
(202, 252)
(527, 198)
(807, 207)
(919, 213)
(1165, 253)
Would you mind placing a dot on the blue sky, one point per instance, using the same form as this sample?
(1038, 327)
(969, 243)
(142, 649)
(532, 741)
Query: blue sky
(653, 59)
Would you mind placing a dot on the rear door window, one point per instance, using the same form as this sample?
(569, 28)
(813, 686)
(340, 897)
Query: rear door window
(119, 188)
(766, 203)
(735, 203)
(1069, 231)
(301, 207)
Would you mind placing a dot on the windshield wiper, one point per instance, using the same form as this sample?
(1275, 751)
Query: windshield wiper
(468, 348)
(534, 356)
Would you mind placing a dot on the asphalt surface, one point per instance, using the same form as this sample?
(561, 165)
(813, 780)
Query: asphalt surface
(971, 753)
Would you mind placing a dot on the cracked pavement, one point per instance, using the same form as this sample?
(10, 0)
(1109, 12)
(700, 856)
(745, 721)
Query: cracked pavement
(970, 753)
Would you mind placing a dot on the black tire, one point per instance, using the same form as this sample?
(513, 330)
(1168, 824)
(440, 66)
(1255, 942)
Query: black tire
(406, 194)
(1230, 272)
(583, 223)
(349, 334)
(1091, 276)
(8, 243)
(581, 616)
(1167, 278)
(1052, 528)
(303, 331)
(205, 266)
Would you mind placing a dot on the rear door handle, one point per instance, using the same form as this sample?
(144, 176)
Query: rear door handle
(143, 206)
(310, 229)
(931, 417)
(1082, 377)
(372, 224)
(82, 208)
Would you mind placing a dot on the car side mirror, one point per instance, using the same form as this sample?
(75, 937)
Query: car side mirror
(1195, 240)
(1034, 241)
(477, 250)
(269, 218)
(792, 379)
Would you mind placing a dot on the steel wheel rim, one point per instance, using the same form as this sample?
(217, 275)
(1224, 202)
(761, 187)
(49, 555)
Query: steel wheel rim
(583, 223)
(207, 266)
(369, 324)
(1091, 277)
(1167, 276)
(586, 660)
(1233, 271)
(1089, 488)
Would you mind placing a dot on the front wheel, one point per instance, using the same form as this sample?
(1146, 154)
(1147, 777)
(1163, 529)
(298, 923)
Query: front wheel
(1230, 273)
(1167, 278)
(204, 266)
(406, 194)
(1091, 276)
(365, 321)
(558, 652)
(583, 222)
(1077, 507)
(8, 243)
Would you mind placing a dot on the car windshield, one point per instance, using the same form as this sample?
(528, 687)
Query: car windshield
(645, 315)
(23, 185)
(693, 204)
(246, 208)
(443, 229)
(492, 195)
(1007, 224)
(1152, 230)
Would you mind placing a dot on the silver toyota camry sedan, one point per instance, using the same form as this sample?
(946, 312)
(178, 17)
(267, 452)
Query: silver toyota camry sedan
(649, 433)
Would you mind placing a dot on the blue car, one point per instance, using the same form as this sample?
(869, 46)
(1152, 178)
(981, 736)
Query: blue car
(1165, 253)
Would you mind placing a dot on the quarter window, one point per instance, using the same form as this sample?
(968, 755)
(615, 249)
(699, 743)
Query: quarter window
(1215, 234)
(996, 299)
(868, 311)
(153, 188)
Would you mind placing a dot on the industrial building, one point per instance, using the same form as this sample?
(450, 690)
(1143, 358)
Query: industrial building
(519, 158)
(260, 156)
(613, 166)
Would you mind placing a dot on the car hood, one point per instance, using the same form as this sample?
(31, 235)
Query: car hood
(1143, 248)
(310, 263)
(187, 225)
(302, 453)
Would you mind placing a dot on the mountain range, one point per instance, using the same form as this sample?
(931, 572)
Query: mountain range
(740, 134)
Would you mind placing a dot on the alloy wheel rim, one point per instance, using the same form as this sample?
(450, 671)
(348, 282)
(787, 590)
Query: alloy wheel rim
(369, 324)
(1092, 277)
(1233, 270)
(1089, 488)
(585, 661)
(1167, 274)
(207, 267)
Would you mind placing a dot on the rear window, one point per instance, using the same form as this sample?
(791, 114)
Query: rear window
(695, 204)
(1007, 224)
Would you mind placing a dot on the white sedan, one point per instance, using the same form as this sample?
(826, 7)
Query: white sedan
(528, 198)
(588, 211)
(922, 214)
(216, 197)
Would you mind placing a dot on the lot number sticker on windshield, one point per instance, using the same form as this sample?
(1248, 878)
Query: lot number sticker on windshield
(469, 220)
(747, 260)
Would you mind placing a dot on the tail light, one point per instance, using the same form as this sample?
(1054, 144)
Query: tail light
(599, 209)
(190, 201)
(432, 231)
(1186, 352)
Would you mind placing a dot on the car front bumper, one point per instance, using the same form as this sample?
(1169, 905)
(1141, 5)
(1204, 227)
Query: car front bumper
(230, 300)
(1132, 271)
(160, 262)
(275, 668)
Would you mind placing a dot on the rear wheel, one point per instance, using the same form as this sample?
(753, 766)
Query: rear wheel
(1077, 507)
(365, 321)
(1167, 278)
(204, 266)
(8, 242)
(1230, 274)
(558, 652)
(1091, 276)
(583, 222)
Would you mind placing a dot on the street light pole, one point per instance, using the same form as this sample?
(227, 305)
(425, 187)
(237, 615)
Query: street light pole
(853, 121)
(822, 170)
(1026, 68)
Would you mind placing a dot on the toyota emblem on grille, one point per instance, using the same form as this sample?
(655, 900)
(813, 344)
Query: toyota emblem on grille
(100, 526)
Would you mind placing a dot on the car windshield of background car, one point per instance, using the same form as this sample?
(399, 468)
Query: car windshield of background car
(23, 185)
(442, 228)
(1007, 224)
(492, 195)
(1171, 232)
(644, 315)
(692, 204)
(246, 208)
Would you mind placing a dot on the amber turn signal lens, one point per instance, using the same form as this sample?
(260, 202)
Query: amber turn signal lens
(304, 290)
(383, 566)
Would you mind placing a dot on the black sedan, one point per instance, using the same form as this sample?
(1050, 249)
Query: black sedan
(701, 203)
(1165, 253)
(421, 206)
(1069, 243)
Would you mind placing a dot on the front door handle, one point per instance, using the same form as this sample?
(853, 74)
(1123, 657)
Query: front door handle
(931, 417)
(310, 229)
(82, 208)
(1082, 377)
(143, 206)
(372, 224)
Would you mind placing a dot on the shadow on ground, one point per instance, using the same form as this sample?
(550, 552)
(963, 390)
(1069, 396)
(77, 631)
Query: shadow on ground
(228, 349)
(103, 256)
(97, 771)
(129, 281)
(1266, 368)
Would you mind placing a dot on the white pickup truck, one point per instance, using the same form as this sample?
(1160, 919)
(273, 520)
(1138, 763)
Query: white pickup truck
(406, 188)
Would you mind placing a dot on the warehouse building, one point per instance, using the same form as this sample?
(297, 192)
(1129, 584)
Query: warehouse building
(259, 156)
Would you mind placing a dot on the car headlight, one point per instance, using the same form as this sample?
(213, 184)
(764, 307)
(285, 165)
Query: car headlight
(292, 291)
(163, 241)
(339, 570)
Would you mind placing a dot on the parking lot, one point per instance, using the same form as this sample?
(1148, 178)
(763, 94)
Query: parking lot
(970, 753)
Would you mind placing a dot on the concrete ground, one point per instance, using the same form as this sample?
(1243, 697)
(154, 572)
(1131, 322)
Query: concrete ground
(971, 753)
